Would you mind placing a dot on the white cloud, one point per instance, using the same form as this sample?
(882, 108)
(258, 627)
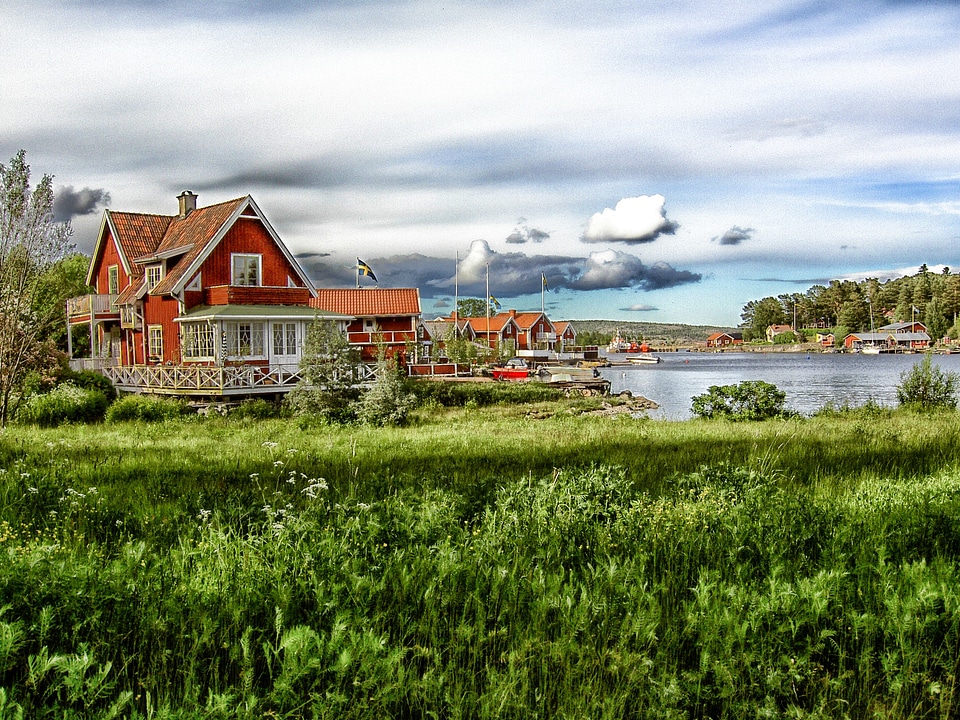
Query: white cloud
(634, 220)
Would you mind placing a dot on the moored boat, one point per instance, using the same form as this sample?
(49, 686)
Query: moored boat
(643, 359)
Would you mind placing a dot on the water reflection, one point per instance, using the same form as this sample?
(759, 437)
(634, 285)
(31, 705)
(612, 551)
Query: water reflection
(810, 381)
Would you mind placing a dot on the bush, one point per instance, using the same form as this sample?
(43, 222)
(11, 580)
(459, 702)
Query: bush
(90, 380)
(387, 402)
(748, 400)
(65, 403)
(313, 404)
(926, 386)
(258, 409)
(146, 408)
(478, 394)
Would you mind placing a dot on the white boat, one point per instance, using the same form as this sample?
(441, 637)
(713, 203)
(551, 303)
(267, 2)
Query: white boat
(643, 359)
(870, 350)
(566, 373)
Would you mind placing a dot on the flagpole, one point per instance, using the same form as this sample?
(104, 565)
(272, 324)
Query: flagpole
(358, 273)
(488, 306)
(543, 284)
(456, 290)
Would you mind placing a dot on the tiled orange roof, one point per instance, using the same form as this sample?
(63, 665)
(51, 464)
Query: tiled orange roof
(138, 234)
(497, 323)
(526, 320)
(561, 326)
(195, 231)
(368, 302)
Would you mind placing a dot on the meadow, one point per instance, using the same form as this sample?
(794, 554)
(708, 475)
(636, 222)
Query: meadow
(523, 561)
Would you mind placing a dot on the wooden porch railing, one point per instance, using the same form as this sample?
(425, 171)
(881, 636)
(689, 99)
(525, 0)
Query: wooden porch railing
(203, 380)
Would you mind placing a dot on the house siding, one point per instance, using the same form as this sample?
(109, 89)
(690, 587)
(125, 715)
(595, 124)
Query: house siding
(248, 236)
(109, 256)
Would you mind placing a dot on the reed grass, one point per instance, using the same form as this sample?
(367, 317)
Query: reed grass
(483, 563)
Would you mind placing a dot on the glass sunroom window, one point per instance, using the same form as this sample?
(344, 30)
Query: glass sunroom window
(244, 339)
(198, 341)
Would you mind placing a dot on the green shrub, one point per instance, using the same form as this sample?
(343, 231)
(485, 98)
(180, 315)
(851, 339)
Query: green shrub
(926, 386)
(748, 400)
(65, 403)
(257, 409)
(146, 408)
(387, 402)
(479, 394)
(90, 380)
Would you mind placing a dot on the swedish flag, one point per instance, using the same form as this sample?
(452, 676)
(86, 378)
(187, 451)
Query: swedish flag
(544, 278)
(494, 302)
(364, 269)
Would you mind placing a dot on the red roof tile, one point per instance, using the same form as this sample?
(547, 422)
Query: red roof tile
(195, 232)
(138, 234)
(368, 302)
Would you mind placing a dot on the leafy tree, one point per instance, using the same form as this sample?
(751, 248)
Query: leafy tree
(748, 400)
(767, 312)
(30, 244)
(471, 307)
(935, 318)
(927, 386)
(330, 369)
(64, 279)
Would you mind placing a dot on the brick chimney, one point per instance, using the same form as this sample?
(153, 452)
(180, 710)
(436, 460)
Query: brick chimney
(513, 313)
(188, 203)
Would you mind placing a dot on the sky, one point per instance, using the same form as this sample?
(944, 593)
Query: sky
(659, 162)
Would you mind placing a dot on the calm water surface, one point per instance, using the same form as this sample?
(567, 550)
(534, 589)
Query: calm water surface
(810, 381)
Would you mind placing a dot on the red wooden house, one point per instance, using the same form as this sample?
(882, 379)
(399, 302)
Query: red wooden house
(388, 317)
(566, 334)
(205, 302)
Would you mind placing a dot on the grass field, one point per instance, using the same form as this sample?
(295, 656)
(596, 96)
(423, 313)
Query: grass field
(483, 563)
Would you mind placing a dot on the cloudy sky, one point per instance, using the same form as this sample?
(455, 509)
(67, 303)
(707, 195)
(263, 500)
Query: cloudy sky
(663, 162)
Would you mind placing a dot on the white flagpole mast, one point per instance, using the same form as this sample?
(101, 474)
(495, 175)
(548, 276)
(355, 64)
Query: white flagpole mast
(488, 305)
(543, 282)
(456, 290)
(358, 273)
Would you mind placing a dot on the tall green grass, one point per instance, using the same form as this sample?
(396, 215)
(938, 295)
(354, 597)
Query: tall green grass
(482, 564)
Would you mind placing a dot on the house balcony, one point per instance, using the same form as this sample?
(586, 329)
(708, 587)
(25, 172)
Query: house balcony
(388, 337)
(254, 295)
(92, 308)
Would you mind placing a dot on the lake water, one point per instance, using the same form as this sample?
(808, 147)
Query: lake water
(810, 381)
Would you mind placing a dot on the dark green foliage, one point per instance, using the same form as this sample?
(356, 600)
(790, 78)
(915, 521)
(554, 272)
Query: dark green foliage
(747, 400)
(146, 408)
(258, 409)
(477, 394)
(65, 403)
(90, 380)
(927, 386)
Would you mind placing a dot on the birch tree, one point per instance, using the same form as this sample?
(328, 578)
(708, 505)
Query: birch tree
(30, 243)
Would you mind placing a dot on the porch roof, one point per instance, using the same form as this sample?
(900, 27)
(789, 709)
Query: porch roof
(257, 312)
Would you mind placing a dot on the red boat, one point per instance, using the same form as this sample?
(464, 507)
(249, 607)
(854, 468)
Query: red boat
(515, 369)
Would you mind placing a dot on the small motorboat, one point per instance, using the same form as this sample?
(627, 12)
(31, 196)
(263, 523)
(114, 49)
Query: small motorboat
(643, 359)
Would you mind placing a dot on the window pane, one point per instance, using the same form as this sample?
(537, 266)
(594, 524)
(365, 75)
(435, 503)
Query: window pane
(291, 339)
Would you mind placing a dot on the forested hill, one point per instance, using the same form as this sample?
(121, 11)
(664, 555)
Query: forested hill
(669, 333)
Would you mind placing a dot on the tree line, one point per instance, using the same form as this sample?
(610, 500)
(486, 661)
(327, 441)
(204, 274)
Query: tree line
(846, 306)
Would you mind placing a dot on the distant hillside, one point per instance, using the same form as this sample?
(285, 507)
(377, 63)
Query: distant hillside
(669, 333)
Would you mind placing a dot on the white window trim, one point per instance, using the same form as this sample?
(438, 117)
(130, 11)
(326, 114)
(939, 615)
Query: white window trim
(113, 273)
(233, 275)
(232, 331)
(158, 267)
(197, 327)
(152, 348)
